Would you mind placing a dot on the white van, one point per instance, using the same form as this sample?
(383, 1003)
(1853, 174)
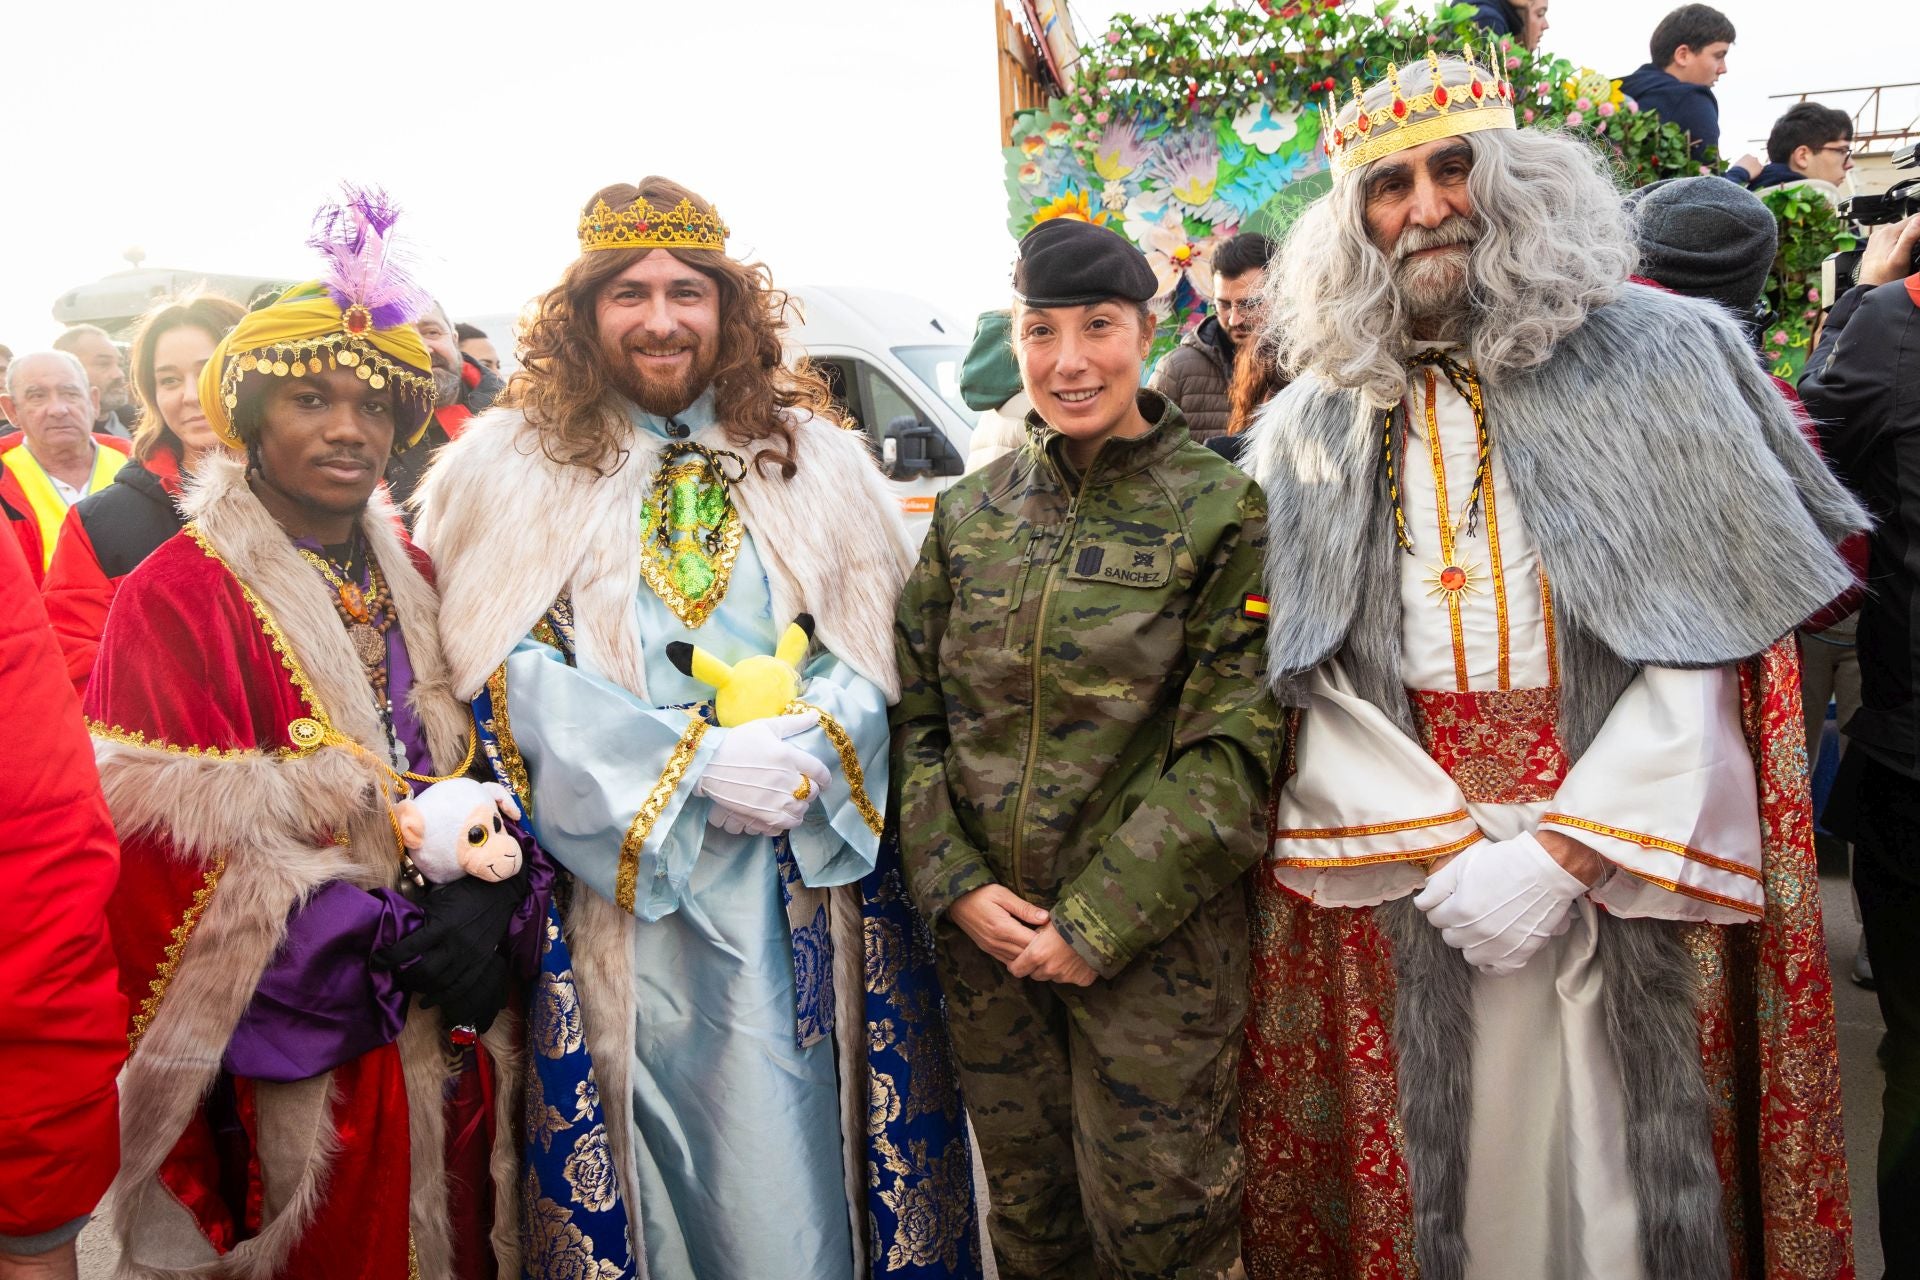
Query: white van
(893, 362)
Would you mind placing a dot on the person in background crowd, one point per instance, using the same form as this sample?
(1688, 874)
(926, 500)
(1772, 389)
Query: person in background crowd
(6, 358)
(62, 1017)
(1195, 374)
(1860, 387)
(1083, 767)
(106, 534)
(1536, 534)
(55, 459)
(990, 382)
(270, 678)
(462, 387)
(1688, 55)
(1704, 238)
(662, 478)
(477, 346)
(1257, 378)
(1810, 146)
(1522, 21)
(106, 368)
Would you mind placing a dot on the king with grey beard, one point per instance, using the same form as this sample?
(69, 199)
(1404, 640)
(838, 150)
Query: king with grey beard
(1536, 534)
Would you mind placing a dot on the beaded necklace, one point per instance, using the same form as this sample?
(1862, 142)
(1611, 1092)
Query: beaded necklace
(367, 613)
(1467, 383)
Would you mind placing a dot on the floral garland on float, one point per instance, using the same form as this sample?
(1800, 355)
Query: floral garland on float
(1182, 130)
(1810, 229)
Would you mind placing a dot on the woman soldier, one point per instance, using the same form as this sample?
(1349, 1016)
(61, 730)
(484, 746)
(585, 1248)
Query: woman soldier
(1084, 748)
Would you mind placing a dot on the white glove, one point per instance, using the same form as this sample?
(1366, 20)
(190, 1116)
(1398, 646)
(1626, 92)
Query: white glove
(758, 783)
(1499, 902)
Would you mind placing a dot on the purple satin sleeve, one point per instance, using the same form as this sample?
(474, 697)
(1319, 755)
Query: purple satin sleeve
(529, 927)
(321, 1002)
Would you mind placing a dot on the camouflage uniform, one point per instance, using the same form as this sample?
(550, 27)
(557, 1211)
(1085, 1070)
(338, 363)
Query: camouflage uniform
(1084, 719)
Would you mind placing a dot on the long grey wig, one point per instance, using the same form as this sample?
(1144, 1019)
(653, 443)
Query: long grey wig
(1554, 243)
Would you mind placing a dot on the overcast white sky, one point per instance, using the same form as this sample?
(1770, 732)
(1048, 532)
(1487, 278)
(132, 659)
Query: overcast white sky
(846, 141)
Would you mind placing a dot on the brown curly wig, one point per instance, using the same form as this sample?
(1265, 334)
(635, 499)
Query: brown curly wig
(573, 399)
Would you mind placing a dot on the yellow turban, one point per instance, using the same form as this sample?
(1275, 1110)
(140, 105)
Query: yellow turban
(303, 328)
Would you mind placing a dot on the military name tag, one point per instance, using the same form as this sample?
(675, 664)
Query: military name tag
(1124, 566)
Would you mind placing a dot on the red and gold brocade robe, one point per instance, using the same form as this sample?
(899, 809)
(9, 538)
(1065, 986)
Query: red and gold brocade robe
(223, 662)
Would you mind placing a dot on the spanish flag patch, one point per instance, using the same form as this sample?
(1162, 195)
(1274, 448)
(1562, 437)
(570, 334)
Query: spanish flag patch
(1254, 607)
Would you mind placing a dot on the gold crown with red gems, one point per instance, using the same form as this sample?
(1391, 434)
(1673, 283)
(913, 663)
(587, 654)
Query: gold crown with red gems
(641, 226)
(1460, 97)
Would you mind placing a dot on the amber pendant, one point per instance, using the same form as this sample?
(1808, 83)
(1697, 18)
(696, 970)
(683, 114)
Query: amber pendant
(354, 601)
(1451, 581)
(368, 643)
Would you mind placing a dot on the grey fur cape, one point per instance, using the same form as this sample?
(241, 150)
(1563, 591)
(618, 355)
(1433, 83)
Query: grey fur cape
(1684, 521)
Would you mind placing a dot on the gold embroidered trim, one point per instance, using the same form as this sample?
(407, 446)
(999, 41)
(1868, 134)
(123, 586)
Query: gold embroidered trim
(1493, 549)
(1375, 859)
(134, 738)
(626, 879)
(1653, 842)
(1446, 532)
(413, 1257)
(1376, 829)
(170, 958)
(849, 762)
(511, 761)
(1553, 643)
(1686, 891)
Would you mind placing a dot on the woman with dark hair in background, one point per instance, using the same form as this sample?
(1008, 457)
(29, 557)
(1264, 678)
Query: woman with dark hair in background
(1256, 380)
(112, 531)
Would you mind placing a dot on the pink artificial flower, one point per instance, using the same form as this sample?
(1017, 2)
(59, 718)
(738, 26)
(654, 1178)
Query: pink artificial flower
(1100, 117)
(1505, 44)
(1606, 109)
(1113, 37)
(1583, 104)
(1114, 73)
(1574, 118)
(1079, 117)
(1809, 313)
(1813, 295)
(1779, 338)
(1633, 108)
(1705, 170)
(1773, 355)
(1433, 39)
(1513, 63)
(1526, 115)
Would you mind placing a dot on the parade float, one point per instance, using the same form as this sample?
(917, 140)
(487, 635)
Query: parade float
(1181, 130)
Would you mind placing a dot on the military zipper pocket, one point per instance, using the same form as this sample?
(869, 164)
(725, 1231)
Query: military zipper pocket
(1018, 592)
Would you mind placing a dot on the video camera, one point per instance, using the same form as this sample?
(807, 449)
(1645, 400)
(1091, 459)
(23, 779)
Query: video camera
(1840, 271)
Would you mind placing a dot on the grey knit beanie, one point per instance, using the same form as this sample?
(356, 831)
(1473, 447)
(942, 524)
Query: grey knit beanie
(1705, 237)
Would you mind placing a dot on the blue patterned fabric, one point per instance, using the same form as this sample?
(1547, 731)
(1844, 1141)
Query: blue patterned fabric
(573, 1223)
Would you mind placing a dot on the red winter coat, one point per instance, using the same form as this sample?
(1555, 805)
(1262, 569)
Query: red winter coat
(62, 1018)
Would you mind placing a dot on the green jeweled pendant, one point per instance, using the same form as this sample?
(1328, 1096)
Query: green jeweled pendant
(693, 574)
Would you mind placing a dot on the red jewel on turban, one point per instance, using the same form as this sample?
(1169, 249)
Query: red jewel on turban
(357, 319)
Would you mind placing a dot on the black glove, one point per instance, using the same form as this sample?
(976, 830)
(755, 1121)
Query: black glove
(478, 1001)
(459, 945)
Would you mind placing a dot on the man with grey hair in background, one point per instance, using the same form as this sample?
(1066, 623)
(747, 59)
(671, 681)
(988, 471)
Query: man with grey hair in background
(106, 367)
(1537, 536)
(54, 459)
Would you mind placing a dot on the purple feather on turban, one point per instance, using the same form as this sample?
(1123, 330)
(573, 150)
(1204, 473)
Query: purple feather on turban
(365, 267)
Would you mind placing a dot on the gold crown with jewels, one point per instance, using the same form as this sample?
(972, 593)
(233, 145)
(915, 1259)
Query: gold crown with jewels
(1459, 97)
(641, 226)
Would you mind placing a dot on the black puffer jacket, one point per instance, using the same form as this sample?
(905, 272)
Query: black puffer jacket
(1862, 386)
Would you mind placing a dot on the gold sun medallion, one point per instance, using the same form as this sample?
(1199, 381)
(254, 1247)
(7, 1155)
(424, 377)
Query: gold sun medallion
(1449, 582)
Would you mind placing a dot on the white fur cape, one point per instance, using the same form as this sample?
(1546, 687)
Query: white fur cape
(261, 810)
(510, 530)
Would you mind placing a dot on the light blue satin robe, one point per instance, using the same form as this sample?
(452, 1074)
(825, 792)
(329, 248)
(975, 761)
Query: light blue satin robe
(739, 1141)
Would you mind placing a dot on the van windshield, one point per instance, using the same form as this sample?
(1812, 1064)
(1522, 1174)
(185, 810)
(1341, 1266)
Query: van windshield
(939, 368)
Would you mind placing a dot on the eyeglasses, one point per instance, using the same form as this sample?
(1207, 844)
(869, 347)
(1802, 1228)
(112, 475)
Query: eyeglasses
(1844, 147)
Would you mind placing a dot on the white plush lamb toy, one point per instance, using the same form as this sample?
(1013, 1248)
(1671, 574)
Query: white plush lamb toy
(454, 829)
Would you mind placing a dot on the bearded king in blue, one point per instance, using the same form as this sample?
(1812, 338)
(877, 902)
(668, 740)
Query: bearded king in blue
(668, 577)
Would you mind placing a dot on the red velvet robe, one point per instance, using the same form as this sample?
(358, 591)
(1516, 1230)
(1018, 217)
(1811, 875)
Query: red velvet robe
(187, 664)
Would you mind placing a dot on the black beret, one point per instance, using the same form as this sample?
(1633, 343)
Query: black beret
(1065, 262)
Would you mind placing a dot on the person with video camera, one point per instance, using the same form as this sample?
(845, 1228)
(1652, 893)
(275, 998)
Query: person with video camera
(1862, 386)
